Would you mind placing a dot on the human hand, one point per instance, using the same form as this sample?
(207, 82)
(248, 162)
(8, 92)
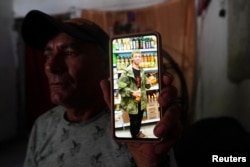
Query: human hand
(136, 93)
(169, 128)
(149, 81)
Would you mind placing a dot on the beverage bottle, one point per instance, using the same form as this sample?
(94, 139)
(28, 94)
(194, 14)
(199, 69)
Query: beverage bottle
(155, 60)
(138, 98)
(147, 44)
(147, 61)
(133, 43)
(123, 65)
(143, 43)
(140, 43)
(114, 60)
(114, 45)
(118, 60)
(122, 45)
(137, 44)
(127, 61)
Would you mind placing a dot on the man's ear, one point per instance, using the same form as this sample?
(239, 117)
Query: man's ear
(105, 85)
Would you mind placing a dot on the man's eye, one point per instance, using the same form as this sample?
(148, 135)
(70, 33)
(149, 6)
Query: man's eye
(47, 56)
(70, 53)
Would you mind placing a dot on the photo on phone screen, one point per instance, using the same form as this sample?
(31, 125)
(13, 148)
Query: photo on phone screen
(135, 85)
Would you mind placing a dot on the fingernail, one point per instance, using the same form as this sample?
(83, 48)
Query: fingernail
(169, 75)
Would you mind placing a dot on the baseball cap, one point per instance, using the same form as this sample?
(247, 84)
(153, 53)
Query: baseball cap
(38, 28)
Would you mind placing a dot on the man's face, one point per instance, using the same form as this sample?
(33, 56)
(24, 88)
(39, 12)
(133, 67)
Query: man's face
(73, 69)
(136, 58)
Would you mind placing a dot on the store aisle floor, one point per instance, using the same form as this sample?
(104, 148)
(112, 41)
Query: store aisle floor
(145, 129)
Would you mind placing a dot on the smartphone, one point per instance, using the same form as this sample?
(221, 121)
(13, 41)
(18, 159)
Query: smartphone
(135, 85)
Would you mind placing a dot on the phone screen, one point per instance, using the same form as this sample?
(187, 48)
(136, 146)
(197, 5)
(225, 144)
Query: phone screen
(135, 85)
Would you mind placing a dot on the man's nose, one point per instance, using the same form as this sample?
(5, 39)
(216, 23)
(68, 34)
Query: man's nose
(56, 64)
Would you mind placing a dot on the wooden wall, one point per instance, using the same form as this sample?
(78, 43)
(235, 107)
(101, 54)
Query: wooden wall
(175, 20)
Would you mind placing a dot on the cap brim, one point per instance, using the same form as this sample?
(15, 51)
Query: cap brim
(38, 28)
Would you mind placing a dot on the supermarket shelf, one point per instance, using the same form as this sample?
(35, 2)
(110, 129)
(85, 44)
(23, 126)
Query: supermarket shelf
(128, 51)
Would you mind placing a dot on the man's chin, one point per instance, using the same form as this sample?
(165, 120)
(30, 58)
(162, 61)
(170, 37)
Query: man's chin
(57, 102)
(66, 101)
(57, 99)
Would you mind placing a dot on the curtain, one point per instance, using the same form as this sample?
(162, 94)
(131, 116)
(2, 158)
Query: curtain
(175, 20)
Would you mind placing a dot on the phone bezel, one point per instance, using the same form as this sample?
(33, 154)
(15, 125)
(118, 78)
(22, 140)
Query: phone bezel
(159, 62)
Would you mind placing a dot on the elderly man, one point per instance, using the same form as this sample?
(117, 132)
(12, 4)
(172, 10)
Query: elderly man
(78, 131)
